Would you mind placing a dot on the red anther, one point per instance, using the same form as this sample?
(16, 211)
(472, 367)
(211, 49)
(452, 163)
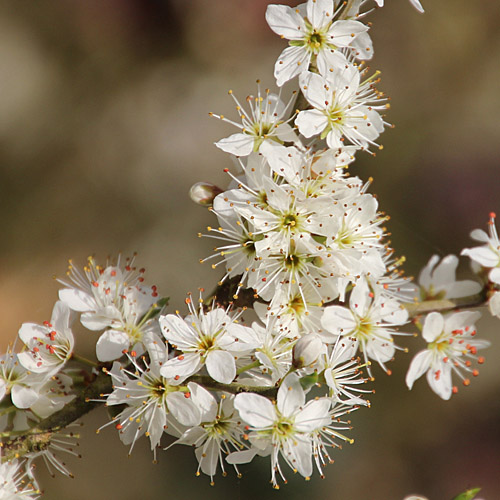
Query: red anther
(181, 357)
(473, 349)
(202, 290)
(141, 279)
(94, 283)
(386, 286)
(389, 372)
(127, 268)
(119, 426)
(187, 395)
(113, 273)
(142, 270)
(437, 374)
(187, 300)
(124, 351)
(467, 328)
(51, 349)
(264, 279)
(473, 333)
(39, 364)
(450, 341)
(456, 332)
(46, 323)
(35, 349)
(154, 294)
(454, 389)
(371, 295)
(226, 170)
(245, 436)
(480, 360)
(177, 377)
(466, 382)
(133, 354)
(468, 363)
(107, 291)
(445, 359)
(475, 373)
(52, 335)
(247, 427)
(493, 215)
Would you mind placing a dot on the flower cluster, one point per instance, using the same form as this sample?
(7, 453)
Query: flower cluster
(303, 244)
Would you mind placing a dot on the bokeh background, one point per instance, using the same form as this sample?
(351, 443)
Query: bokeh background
(104, 127)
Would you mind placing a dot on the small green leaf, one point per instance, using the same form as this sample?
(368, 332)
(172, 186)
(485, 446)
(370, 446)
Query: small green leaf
(308, 381)
(468, 495)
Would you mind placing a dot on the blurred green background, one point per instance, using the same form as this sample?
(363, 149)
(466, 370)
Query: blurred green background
(104, 127)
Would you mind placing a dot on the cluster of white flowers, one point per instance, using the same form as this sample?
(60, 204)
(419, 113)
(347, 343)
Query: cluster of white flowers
(307, 241)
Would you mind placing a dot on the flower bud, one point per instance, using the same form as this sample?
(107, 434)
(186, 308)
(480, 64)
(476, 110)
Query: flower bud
(307, 350)
(204, 193)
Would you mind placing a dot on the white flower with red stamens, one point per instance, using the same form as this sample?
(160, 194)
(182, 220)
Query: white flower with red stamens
(133, 329)
(53, 395)
(452, 347)
(344, 108)
(267, 121)
(284, 428)
(314, 37)
(487, 255)
(218, 433)
(210, 339)
(49, 346)
(113, 298)
(370, 320)
(150, 398)
(18, 381)
(342, 372)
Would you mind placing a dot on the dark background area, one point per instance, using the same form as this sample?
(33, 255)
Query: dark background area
(104, 127)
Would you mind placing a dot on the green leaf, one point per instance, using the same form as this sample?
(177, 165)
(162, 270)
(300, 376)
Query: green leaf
(308, 381)
(468, 495)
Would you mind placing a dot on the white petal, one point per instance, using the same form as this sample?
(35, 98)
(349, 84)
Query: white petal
(208, 457)
(237, 144)
(23, 397)
(181, 367)
(291, 62)
(111, 345)
(342, 33)
(221, 366)
(255, 410)
(313, 416)
(177, 331)
(483, 256)
(285, 21)
(433, 326)
(439, 380)
(299, 453)
(30, 331)
(319, 12)
(183, 409)
(290, 395)
(419, 365)
(204, 401)
(101, 318)
(77, 299)
(311, 122)
(338, 320)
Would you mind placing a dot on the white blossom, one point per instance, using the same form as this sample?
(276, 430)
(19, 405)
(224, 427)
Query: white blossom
(314, 37)
(452, 346)
(49, 346)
